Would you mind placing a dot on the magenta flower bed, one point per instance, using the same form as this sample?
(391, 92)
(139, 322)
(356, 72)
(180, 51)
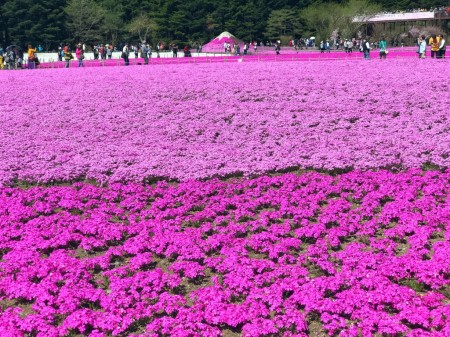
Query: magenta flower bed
(267, 55)
(361, 254)
(198, 121)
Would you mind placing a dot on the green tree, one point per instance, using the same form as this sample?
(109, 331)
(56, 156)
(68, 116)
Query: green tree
(284, 22)
(346, 20)
(49, 22)
(325, 18)
(142, 26)
(86, 18)
(112, 27)
(29, 22)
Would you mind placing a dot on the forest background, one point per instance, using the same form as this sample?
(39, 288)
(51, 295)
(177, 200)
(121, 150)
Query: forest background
(51, 22)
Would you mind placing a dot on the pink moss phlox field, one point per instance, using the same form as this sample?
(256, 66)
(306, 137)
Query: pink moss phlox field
(265, 55)
(359, 254)
(199, 121)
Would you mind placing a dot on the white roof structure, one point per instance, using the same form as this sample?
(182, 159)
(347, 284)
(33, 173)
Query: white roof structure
(395, 17)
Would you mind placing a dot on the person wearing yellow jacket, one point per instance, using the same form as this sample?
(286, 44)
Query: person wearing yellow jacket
(434, 43)
(31, 57)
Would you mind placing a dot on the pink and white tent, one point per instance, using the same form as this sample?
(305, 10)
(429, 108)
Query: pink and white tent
(217, 45)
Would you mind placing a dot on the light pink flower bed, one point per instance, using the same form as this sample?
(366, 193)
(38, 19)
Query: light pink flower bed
(355, 241)
(198, 121)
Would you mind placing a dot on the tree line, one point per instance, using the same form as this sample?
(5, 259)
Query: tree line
(51, 22)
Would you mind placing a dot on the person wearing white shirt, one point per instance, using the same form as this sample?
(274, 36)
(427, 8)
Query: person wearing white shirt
(350, 46)
(422, 47)
(442, 47)
(125, 54)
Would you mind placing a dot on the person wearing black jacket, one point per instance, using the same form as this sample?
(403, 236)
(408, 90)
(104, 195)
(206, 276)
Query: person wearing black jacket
(366, 49)
(126, 54)
(144, 52)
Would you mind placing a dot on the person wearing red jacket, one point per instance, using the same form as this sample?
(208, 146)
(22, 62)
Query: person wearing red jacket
(79, 53)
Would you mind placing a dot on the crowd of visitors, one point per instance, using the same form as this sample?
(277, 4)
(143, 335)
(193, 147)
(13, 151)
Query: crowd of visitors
(12, 56)
(437, 45)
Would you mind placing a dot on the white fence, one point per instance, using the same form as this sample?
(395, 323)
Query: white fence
(53, 57)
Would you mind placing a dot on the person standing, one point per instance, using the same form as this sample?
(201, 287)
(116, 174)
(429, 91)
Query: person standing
(67, 56)
(60, 53)
(350, 46)
(187, 51)
(79, 53)
(434, 43)
(109, 51)
(383, 47)
(366, 49)
(277, 49)
(175, 50)
(125, 54)
(96, 52)
(1, 59)
(20, 59)
(31, 57)
(442, 47)
(9, 59)
(144, 52)
(422, 47)
(102, 52)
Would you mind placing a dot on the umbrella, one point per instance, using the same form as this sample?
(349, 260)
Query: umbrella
(12, 47)
(312, 38)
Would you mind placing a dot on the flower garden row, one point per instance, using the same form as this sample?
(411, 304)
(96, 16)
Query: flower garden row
(267, 56)
(360, 254)
(204, 120)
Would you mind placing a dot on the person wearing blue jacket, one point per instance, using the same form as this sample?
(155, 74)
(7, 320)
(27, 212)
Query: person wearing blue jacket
(422, 47)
